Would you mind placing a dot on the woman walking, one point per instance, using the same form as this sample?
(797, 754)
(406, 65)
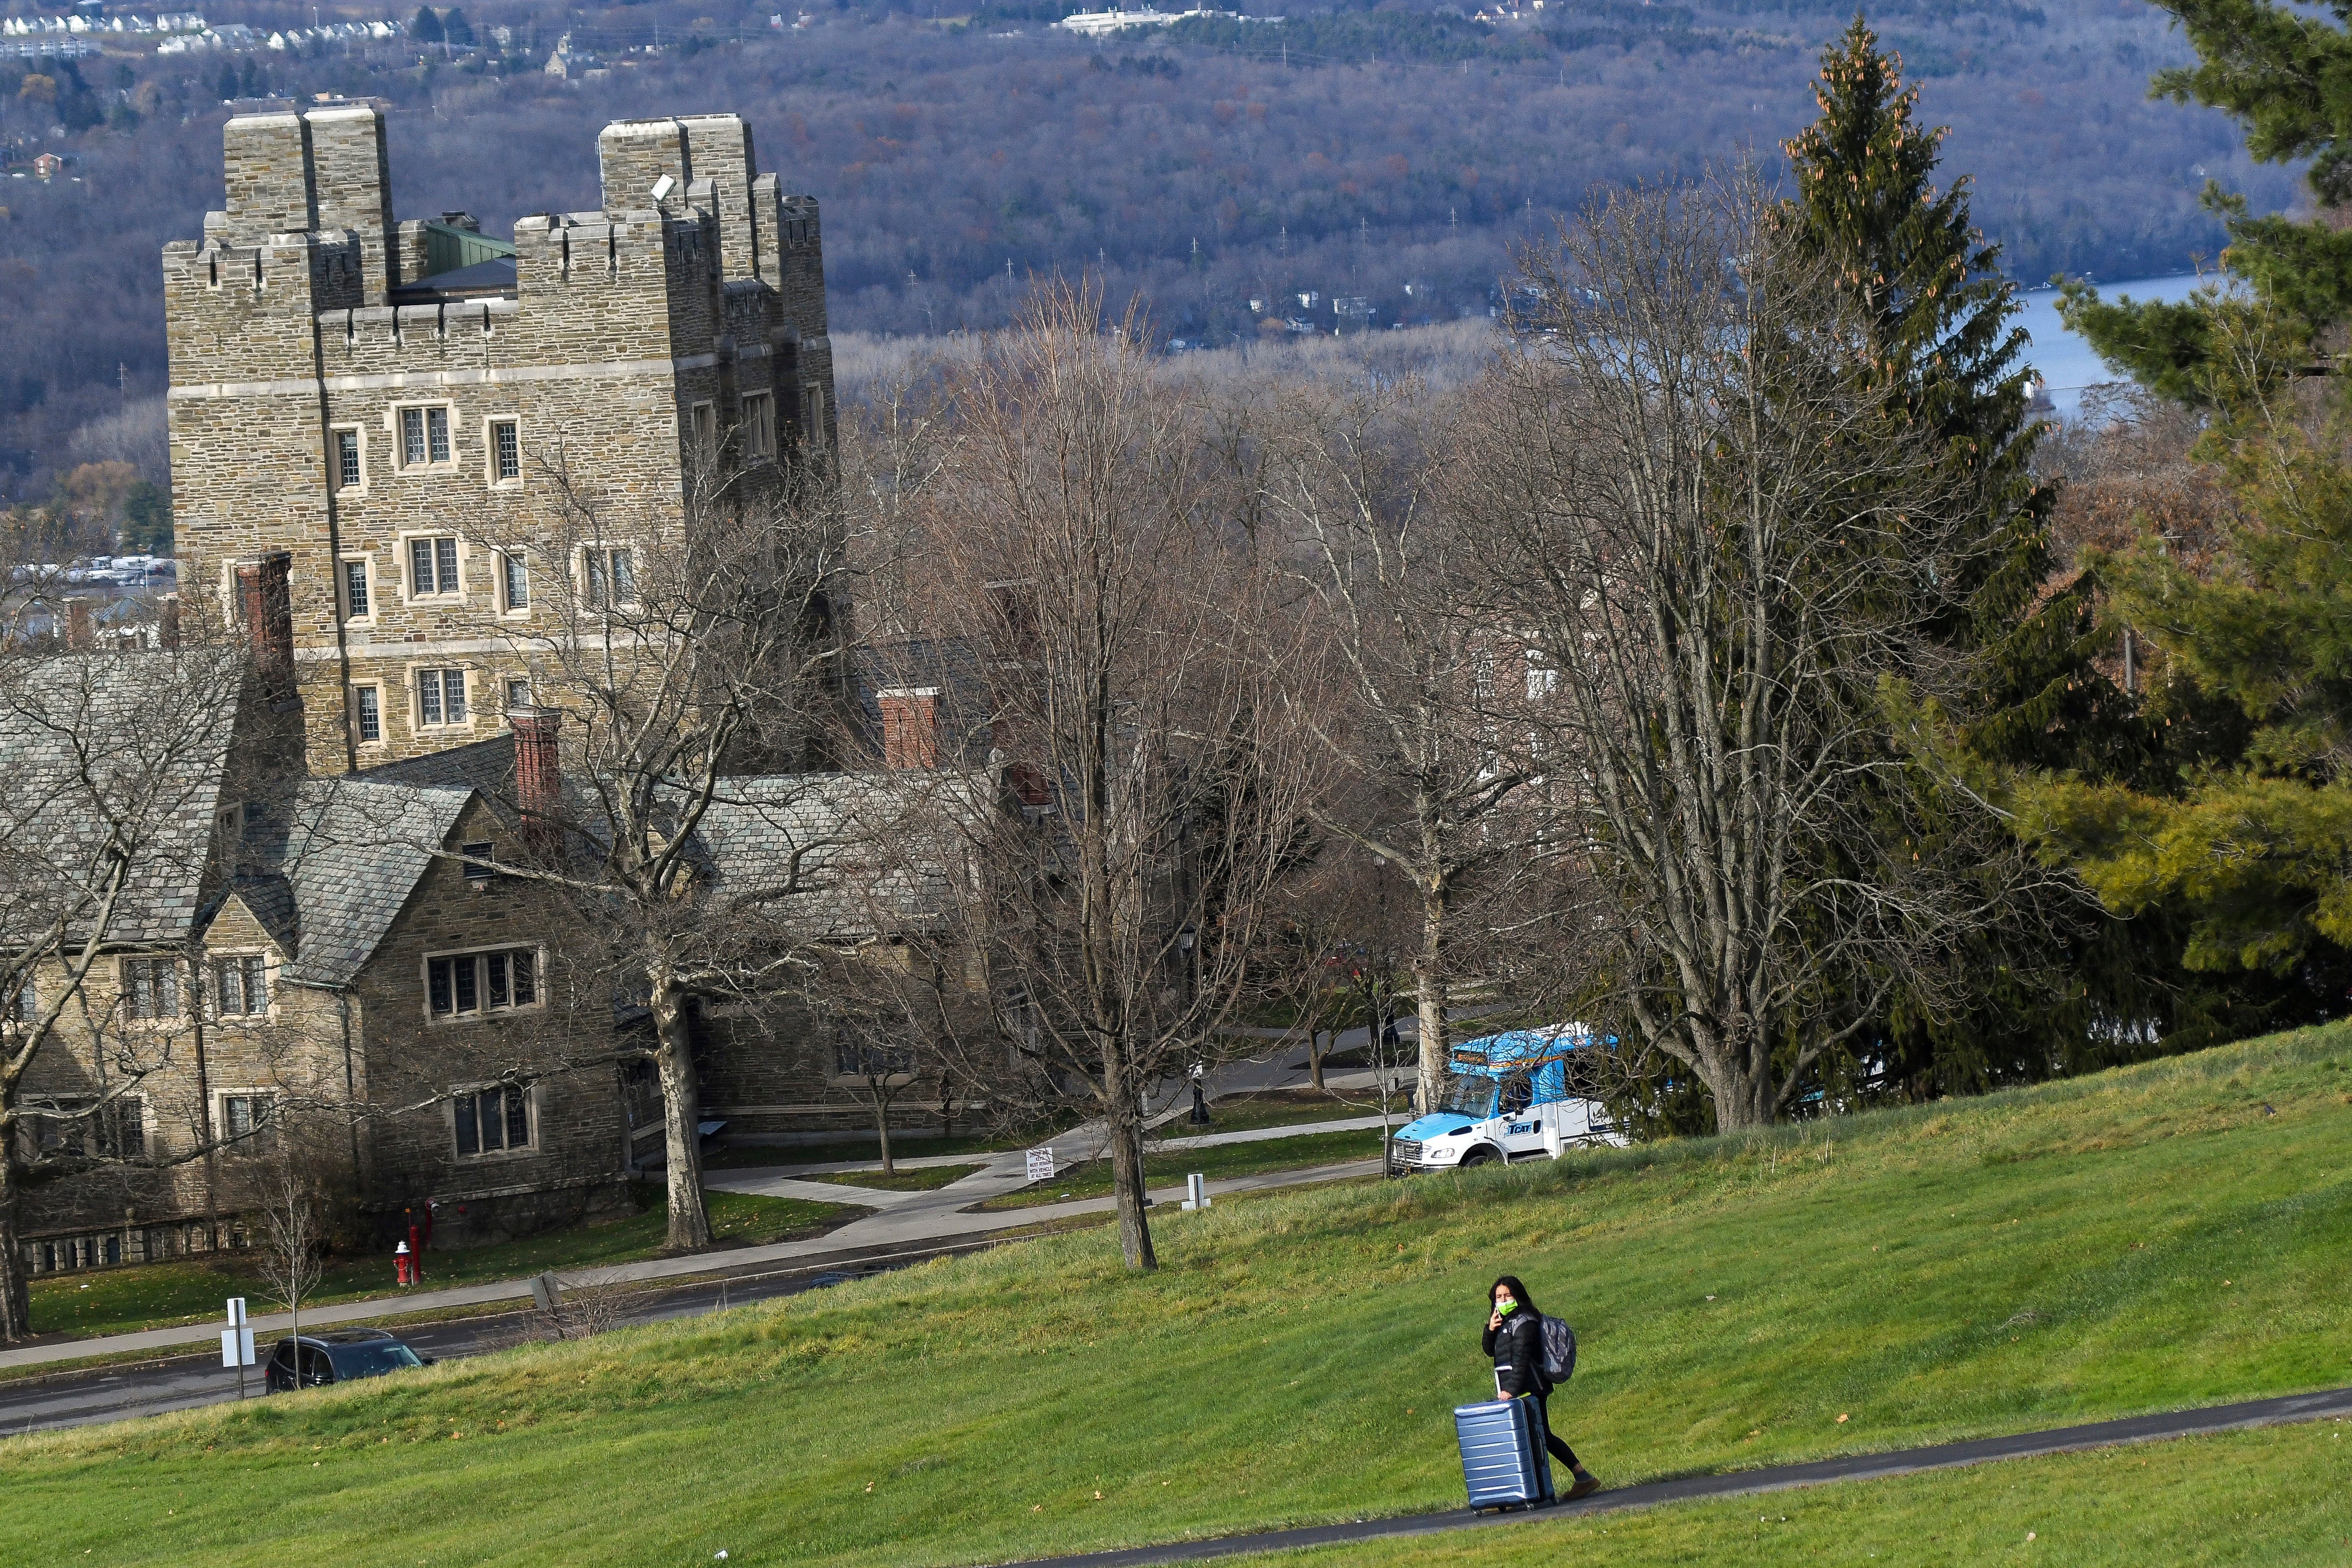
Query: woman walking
(1514, 1340)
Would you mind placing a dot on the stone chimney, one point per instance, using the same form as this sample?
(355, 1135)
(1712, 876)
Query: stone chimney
(79, 636)
(266, 602)
(539, 775)
(167, 622)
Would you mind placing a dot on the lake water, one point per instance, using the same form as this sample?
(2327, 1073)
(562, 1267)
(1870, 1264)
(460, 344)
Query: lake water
(2064, 360)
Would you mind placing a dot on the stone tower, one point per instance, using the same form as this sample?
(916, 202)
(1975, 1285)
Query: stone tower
(366, 409)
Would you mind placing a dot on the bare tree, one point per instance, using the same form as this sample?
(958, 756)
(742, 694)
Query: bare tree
(1134, 778)
(1406, 700)
(293, 1246)
(115, 764)
(687, 667)
(1723, 546)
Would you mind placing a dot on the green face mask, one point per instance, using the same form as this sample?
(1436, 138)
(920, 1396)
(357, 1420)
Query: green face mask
(1506, 1306)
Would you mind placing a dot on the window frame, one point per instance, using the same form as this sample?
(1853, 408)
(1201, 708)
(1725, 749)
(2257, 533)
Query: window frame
(594, 564)
(244, 958)
(491, 425)
(264, 1142)
(359, 731)
(365, 561)
(759, 427)
(396, 419)
(892, 1076)
(461, 559)
(151, 965)
(100, 1122)
(464, 1104)
(512, 559)
(357, 433)
(702, 432)
(476, 958)
(440, 674)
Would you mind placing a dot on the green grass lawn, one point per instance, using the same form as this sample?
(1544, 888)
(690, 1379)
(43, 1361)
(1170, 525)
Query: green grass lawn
(2271, 1499)
(2174, 1233)
(1281, 1108)
(1092, 1178)
(118, 1300)
(930, 1178)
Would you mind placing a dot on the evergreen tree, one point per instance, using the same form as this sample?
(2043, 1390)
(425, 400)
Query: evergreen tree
(2250, 847)
(2284, 73)
(456, 29)
(2028, 692)
(426, 26)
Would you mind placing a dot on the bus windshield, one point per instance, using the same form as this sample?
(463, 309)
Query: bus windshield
(1470, 1097)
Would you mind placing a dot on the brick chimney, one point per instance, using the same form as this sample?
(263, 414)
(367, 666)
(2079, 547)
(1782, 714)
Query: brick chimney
(79, 636)
(539, 775)
(266, 602)
(167, 622)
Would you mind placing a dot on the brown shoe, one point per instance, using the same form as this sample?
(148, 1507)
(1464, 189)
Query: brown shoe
(1587, 1483)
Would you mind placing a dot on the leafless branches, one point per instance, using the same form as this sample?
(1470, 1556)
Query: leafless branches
(1133, 783)
(1718, 541)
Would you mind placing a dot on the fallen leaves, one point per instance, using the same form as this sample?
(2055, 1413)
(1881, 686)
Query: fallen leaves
(1842, 1417)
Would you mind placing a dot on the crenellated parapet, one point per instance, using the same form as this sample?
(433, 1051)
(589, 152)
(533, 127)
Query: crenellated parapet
(344, 385)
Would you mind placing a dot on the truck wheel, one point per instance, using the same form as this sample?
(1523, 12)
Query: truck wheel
(1477, 1157)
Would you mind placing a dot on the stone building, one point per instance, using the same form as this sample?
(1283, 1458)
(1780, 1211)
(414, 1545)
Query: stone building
(381, 434)
(314, 975)
(389, 405)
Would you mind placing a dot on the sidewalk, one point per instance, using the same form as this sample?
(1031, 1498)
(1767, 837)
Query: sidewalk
(900, 1217)
(2333, 1403)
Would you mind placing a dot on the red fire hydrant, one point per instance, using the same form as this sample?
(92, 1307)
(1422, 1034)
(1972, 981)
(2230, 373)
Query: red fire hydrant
(404, 1265)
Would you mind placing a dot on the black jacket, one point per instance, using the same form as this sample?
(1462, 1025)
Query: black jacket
(1517, 1349)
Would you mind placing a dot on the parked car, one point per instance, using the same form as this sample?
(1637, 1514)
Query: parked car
(339, 1356)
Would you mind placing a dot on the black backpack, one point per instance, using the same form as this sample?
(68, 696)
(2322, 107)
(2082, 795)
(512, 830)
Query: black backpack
(1558, 1349)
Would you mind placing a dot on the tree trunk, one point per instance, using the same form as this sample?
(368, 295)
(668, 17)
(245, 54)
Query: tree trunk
(1126, 1167)
(882, 1128)
(1429, 979)
(1741, 1083)
(689, 1221)
(15, 1297)
(1314, 1056)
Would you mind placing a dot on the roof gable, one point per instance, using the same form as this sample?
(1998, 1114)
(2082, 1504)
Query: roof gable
(353, 854)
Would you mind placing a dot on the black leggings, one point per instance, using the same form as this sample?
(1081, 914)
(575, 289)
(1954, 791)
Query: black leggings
(1559, 1450)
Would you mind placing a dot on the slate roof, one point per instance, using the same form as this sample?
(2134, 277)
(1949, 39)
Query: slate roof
(270, 897)
(486, 765)
(353, 852)
(875, 847)
(952, 666)
(143, 737)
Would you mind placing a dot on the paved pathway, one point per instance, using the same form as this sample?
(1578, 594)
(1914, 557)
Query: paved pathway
(901, 1218)
(2334, 1404)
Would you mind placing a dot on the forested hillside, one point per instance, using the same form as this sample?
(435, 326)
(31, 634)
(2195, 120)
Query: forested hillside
(1388, 155)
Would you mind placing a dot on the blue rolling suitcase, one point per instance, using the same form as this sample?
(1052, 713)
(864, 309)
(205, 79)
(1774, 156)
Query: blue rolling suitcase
(1504, 1462)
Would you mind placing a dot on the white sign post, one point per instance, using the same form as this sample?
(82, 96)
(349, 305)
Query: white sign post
(1041, 1164)
(236, 1343)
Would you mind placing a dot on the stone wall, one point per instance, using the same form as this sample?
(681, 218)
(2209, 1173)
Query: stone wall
(575, 1167)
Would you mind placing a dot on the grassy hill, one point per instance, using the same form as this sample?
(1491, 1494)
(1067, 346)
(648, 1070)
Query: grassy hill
(2173, 1233)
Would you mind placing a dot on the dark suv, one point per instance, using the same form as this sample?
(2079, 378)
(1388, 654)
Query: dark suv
(340, 1356)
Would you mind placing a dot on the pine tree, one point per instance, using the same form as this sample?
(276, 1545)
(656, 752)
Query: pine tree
(1940, 316)
(2284, 73)
(2252, 849)
(456, 29)
(426, 26)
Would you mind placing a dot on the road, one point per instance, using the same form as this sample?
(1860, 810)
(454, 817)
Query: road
(179, 1383)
